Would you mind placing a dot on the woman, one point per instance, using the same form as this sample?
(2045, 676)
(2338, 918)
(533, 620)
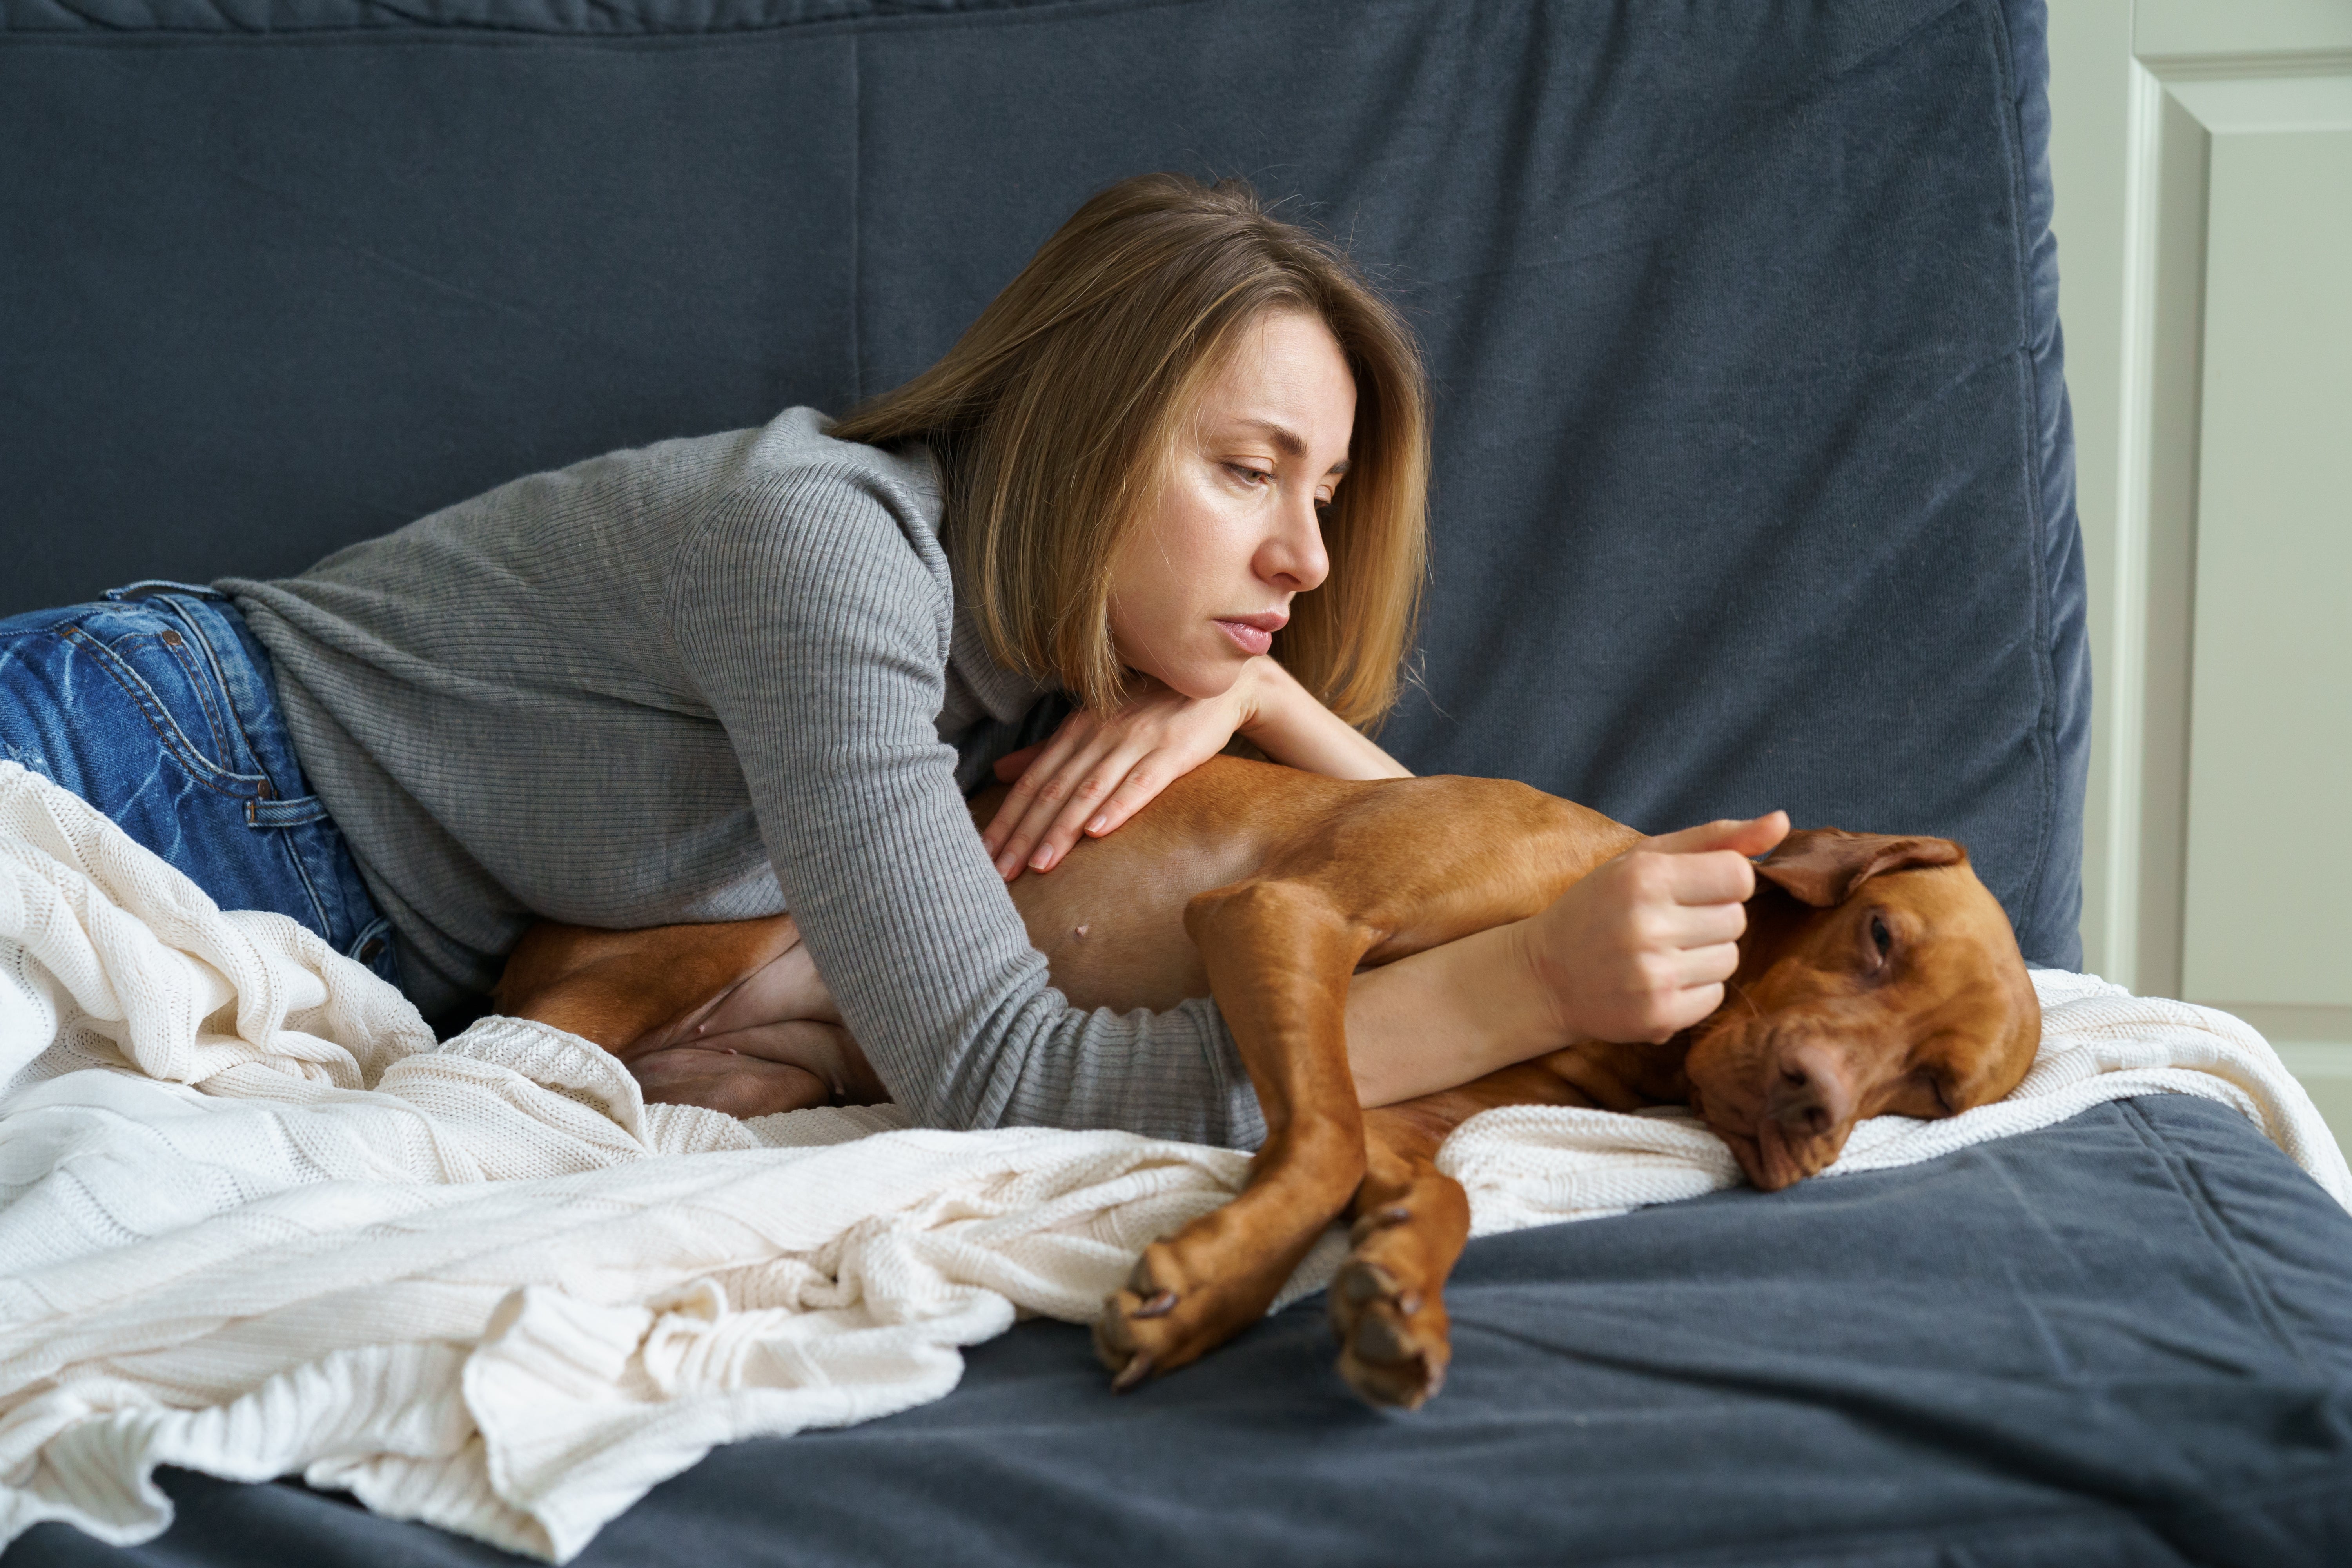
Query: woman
(1176, 470)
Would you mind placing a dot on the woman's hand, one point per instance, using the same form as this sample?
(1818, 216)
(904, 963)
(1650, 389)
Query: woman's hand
(774, 1043)
(1641, 947)
(1095, 772)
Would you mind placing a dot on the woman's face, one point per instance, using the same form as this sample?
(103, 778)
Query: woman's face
(1207, 576)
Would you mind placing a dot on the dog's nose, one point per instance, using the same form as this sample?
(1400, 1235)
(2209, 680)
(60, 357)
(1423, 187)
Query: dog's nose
(1809, 1095)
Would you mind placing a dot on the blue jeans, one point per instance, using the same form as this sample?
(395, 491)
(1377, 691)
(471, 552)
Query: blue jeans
(158, 707)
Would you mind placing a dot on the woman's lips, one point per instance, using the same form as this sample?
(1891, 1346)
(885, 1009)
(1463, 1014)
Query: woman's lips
(1249, 638)
(1253, 633)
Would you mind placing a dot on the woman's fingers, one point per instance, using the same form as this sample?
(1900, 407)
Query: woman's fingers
(1096, 773)
(1117, 775)
(1671, 989)
(1684, 1009)
(1139, 789)
(1061, 804)
(1754, 836)
(1687, 928)
(1705, 876)
(1143, 771)
(1002, 838)
(1706, 968)
(1645, 946)
(1030, 818)
(1693, 879)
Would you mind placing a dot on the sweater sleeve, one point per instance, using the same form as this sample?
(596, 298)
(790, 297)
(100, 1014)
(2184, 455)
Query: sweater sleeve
(815, 623)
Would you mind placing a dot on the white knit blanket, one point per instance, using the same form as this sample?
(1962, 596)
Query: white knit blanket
(252, 1222)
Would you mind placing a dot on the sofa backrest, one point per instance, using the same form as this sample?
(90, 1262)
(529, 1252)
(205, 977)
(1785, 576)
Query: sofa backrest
(1753, 481)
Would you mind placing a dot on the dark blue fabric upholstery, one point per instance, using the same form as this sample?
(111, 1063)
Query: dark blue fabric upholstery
(1753, 483)
(2122, 1341)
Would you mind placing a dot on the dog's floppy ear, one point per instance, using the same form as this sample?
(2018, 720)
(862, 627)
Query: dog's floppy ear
(1823, 866)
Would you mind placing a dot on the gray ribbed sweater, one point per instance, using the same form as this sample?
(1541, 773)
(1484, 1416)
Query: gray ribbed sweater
(706, 680)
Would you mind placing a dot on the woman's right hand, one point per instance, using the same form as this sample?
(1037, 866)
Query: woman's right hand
(1642, 948)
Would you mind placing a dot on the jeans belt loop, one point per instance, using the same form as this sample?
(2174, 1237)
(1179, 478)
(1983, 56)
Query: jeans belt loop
(285, 813)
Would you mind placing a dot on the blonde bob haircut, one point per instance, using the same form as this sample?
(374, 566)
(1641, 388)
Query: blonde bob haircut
(1055, 418)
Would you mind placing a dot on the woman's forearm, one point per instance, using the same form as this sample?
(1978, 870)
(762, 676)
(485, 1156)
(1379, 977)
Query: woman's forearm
(1291, 727)
(1449, 1015)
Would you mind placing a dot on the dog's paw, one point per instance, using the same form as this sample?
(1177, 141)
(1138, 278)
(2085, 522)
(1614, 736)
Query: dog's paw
(1135, 1337)
(1165, 1317)
(1394, 1345)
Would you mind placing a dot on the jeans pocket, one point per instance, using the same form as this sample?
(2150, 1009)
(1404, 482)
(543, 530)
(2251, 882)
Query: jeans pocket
(174, 669)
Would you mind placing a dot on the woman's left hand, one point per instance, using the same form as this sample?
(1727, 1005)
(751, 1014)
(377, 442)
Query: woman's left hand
(1097, 772)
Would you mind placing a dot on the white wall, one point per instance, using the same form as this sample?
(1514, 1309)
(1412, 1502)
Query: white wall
(2202, 155)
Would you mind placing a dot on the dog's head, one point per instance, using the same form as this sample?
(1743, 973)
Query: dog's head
(1877, 976)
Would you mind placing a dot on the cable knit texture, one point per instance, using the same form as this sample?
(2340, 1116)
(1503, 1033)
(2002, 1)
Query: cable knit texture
(706, 680)
(256, 1223)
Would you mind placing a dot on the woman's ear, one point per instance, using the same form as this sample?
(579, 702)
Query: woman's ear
(1823, 866)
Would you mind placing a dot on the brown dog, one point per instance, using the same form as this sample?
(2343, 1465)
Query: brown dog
(1269, 888)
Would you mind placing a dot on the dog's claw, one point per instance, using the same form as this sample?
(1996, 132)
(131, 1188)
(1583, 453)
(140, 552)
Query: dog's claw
(1159, 1306)
(1138, 1368)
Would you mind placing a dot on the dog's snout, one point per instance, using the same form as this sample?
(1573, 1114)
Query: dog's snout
(1794, 1106)
(1809, 1096)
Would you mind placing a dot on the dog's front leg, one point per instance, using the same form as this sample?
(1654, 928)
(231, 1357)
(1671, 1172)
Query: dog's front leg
(1388, 1301)
(1279, 954)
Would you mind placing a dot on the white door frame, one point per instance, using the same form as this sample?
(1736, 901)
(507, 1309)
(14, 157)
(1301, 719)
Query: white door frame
(2137, 92)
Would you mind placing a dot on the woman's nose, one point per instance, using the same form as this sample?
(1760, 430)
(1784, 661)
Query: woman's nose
(1292, 557)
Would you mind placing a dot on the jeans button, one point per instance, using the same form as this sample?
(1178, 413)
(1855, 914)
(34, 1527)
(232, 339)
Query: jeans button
(171, 639)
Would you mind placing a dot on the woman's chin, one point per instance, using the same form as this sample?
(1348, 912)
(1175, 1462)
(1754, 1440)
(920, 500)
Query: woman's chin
(1201, 680)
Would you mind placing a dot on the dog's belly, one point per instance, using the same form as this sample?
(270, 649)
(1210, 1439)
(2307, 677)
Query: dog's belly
(1121, 948)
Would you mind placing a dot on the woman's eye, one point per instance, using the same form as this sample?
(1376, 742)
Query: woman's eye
(1249, 476)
